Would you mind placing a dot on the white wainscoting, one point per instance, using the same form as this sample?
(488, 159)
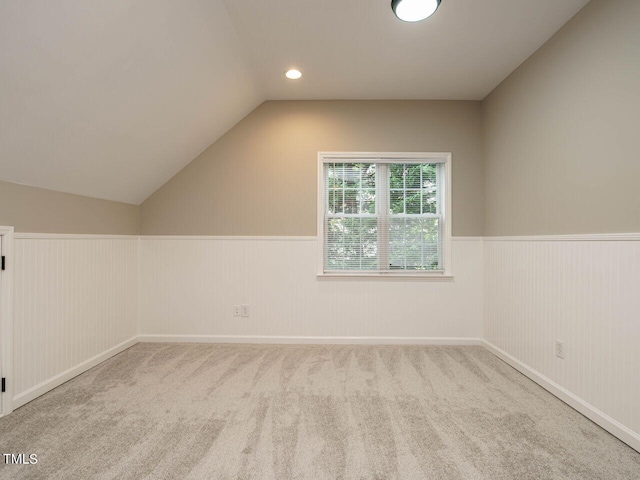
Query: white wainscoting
(80, 299)
(75, 302)
(584, 291)
(188, 287)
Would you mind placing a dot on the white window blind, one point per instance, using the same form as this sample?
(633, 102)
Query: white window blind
(383, 215)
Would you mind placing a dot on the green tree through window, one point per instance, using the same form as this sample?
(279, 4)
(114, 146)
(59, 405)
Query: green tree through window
(383, 216)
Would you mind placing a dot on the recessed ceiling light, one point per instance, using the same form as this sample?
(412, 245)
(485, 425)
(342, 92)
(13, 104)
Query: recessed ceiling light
(293, 74)
(414, 10)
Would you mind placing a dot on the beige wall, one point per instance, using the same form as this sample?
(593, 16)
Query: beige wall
(562, 133)
(30, 209)
(260, 178)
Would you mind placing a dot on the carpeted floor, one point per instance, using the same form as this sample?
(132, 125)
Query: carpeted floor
(188, 411)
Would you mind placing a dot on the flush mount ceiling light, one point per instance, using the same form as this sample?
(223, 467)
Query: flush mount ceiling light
(414, 10)
(293, 74)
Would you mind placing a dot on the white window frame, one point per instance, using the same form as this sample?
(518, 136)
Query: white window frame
(388, 157)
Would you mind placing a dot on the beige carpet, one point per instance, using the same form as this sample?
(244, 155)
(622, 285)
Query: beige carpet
(307, 412)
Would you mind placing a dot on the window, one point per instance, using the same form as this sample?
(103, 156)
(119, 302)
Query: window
(384, 214)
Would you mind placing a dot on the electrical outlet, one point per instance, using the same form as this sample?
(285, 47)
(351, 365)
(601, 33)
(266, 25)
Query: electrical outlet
(560, 349)
(245, 310)
(236, 310)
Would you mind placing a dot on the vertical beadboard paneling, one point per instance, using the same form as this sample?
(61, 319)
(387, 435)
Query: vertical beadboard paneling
(74, 299)
(188, 286)
(582, 292)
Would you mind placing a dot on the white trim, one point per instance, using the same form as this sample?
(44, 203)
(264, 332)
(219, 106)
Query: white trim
(614, 427)
(381, 157)
(72, 372)
(222, 238)
(580, 237)
(299, 238)
(266, 339)
(384, 275)
(71, 236)
(6, 319)
(586, 237)
(138, 283)
(321, 204)
(448, 223)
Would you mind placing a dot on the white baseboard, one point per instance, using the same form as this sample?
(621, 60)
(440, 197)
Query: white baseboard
(628, 436)
(614, 427)
(308, 340)
(53, 382)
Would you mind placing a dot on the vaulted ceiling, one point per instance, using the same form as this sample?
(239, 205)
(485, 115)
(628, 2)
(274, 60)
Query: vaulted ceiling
(111, 99)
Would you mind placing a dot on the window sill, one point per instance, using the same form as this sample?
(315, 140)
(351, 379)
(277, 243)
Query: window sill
(384, 276)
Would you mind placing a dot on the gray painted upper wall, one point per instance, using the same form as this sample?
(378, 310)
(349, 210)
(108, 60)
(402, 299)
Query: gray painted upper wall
(36, 210)
(261, 177)
(559, 149)
(559, 154)
(561, 133)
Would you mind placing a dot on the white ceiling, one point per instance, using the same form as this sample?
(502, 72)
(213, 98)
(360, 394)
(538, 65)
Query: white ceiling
(357, 49)
(111, 99)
